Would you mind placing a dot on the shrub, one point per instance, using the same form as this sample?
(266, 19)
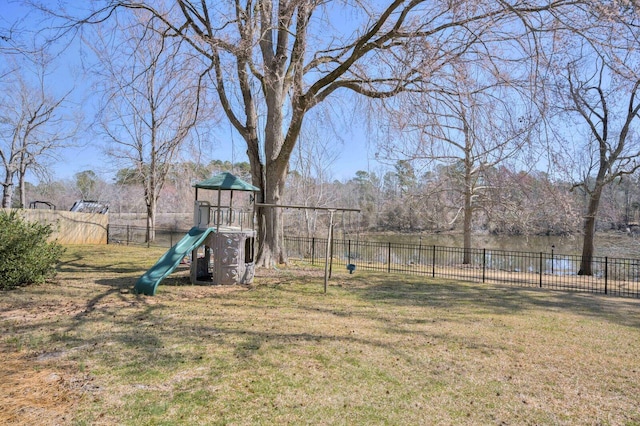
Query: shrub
(26, 257)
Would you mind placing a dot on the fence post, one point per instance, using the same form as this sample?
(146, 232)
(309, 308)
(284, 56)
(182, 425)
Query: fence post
(349, 253)
(484, 263)
(540, 269)
(389, 259)
(127, 234)
(606, 273)
(313, 250)
(433, 263)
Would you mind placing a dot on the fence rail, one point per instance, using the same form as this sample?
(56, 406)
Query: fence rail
(137, 235)
(613, 276)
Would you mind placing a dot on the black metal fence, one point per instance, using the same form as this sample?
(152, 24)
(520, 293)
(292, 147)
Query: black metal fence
(137, 235)
(614, 276)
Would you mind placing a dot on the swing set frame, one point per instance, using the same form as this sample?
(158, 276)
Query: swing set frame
(331, 211)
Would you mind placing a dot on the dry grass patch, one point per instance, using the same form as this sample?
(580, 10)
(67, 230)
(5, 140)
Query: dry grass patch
(30, 393)
(377, 349)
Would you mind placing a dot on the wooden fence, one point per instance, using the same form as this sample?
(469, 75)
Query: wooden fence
(71, 227)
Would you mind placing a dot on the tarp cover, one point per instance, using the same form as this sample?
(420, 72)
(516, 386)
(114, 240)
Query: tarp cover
(226, 181)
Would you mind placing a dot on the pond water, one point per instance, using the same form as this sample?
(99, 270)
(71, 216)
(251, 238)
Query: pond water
(612, 244)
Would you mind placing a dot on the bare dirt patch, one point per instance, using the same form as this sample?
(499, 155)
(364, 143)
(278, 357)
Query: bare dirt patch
(32, 392)
(42, 386)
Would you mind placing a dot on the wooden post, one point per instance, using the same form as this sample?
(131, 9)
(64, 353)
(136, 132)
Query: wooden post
(326, 257)
(218, 213)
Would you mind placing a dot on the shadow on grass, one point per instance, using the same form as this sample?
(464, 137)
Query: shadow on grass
(146, 324)
(496, 299)
(80, 264)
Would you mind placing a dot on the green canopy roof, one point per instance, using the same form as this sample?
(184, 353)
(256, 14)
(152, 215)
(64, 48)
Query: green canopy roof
(226, 181)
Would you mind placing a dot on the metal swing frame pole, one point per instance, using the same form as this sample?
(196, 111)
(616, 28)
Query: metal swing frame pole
(326, 255)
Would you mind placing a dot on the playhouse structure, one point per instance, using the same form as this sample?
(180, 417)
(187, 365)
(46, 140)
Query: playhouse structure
(221, 243)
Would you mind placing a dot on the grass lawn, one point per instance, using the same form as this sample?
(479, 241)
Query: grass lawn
(376, 349)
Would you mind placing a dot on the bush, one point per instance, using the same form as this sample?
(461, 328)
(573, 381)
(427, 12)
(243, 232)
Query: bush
(26, 257)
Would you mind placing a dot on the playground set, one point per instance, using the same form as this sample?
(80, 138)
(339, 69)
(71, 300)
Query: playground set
(221, 242)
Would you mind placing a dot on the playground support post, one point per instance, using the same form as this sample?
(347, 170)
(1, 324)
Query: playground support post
(326, 259)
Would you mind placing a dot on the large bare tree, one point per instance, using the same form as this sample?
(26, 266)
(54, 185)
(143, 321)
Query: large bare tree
(273, 61)
(151, 100)
(609, 106)
(33, 124)
(593, 64)
(471, 117)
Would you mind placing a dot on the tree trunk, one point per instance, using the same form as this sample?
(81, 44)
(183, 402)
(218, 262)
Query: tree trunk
(270, 226)
(590, 231)
(151, 201)
(468, 192)
(22, 187)
(7, 190)
(468, 216)
(310, 222)
(151, 223)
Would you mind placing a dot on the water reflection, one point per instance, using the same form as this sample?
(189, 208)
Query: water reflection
(559, 265)
(612, 244)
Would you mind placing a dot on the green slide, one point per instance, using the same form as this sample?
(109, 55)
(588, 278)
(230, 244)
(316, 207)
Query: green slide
(169, 261)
